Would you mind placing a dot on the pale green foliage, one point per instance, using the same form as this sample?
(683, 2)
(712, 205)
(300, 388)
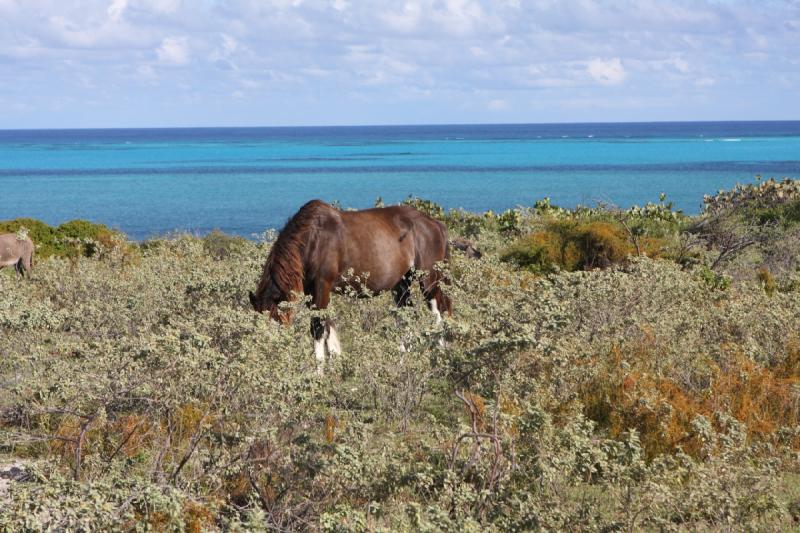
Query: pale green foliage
(768, 192)
(195, 413)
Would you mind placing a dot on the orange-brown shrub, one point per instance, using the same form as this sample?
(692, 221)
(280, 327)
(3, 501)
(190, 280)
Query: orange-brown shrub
(662, 409)
(654, 247)
(601, 244)
(197, 517)
(767, 280)
(476, 407)
(132, 434)
(540, 252)
(569, 245)
(330, 428)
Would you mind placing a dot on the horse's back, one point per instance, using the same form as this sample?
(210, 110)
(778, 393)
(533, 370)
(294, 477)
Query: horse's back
(387, 242)
(12, 249)
(428, 236)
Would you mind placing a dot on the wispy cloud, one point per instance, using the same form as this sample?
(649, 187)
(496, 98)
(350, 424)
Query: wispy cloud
(174, 50)
(606, 71)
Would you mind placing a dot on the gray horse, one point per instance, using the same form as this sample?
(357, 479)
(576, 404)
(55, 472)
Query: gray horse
(18, 251)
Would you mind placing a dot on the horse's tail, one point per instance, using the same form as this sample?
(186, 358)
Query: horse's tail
(445, 239)
(443, 302)
(446, 278)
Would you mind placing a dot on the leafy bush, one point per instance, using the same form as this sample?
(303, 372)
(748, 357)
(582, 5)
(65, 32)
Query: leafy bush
(762, 195)
(713, 280)
(428, 207)
(221, 246)
(539, 253)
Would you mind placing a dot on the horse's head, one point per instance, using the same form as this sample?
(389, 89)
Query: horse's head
(268, 298)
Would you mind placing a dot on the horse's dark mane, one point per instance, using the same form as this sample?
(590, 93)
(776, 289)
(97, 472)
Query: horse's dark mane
(284, 266)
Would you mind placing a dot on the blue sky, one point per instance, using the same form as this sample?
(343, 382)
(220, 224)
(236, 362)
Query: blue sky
(140, 63)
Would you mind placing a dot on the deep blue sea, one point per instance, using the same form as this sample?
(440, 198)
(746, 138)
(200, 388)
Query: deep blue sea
(148, 182)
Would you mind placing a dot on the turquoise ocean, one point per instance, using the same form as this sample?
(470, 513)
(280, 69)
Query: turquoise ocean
(148, 182)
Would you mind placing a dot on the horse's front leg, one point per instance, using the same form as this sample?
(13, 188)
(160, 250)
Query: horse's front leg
(318, 332)
(332, 340)
(322, 330)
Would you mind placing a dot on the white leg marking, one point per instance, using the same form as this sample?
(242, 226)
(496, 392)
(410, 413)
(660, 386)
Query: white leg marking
(435, 310)
(334, 348)
(319, 353)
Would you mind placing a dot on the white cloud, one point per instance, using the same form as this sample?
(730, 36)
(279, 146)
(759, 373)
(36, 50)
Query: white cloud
(606, 71)
(162, 6)
(497, 104)
(406, 20)
(174, 50)
(461, 17)
(453, 17)
(117, 9)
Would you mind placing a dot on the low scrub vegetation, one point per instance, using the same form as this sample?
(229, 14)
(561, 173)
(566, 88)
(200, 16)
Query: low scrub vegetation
(604, 370)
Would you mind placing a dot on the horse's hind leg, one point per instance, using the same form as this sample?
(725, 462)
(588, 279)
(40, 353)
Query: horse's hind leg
(437, 300)
(20, 270)
(402, 291)
(27, 264)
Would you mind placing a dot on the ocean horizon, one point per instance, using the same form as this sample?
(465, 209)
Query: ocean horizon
(148, 182)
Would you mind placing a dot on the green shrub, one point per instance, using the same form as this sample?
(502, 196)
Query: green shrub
(221, 246)
(428, 207)
(713, 280)
(464, 223)
(83, 229)
(769, 203)
(539, 253)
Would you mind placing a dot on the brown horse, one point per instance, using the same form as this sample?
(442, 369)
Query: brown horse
(320, 243)
(18, 251)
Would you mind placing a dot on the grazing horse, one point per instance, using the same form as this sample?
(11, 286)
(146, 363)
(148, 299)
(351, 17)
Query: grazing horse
(16, 251)
(320, 243)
